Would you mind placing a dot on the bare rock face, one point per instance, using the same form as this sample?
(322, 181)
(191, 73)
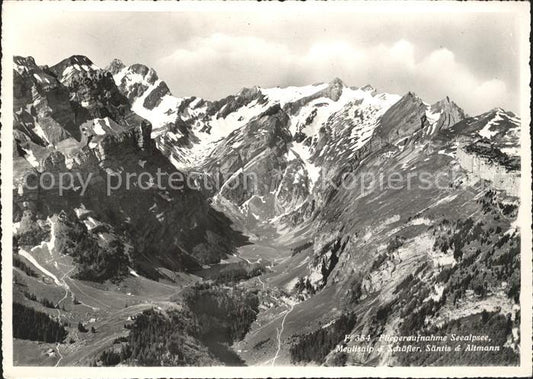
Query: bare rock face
(145, 77)
(41, 102)
(148, 73)
(368, 88)
(115, 66)
(82, 61)
(71, 118)
(54, 162)
(264, 143)
(155, 96)
(403, 119)
(450, 113)
(222, 108)
(334, 89)
(295, 186)
(487, 162)
(410, 119)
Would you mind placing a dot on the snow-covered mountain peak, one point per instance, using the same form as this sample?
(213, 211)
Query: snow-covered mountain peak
(411, 96)
(335, 89)
(74, 68)
(502, 113)
(286, 95)
(502, 127)
(150, 96)
(134, 74)
(78, 62)
(115, 66)
(498, 110)
(336, 82)
(24, 64)
(446, 104)
(368, 88)
(191, 128)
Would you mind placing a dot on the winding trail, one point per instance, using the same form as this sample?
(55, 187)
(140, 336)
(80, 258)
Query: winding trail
(58, 353)
(280, 332)
(67, 292)
(262, 283)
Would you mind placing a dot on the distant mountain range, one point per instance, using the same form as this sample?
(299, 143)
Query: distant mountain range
(309, 257)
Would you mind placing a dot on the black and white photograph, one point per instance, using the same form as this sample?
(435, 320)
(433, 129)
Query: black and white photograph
(266, 189)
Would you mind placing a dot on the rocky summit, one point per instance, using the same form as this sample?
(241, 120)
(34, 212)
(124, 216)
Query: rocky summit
(306, 220)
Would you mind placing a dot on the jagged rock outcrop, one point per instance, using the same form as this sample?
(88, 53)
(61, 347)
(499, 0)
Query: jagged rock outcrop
(111, 143)
(404, 119)
(485, 162)
(41, 103)
(222, 108)
(448, 113)
(153, 99)
(306, 172)
(332, 91)
(115, 66)
(259, 149)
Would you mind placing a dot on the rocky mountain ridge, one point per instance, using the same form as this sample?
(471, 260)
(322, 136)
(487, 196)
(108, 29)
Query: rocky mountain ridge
(327, 122)
(329, 252)
(72, 118)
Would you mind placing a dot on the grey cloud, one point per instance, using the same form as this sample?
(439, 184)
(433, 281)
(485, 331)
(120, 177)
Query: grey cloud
(478, 51)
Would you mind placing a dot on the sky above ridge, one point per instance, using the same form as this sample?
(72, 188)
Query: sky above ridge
(471, 57)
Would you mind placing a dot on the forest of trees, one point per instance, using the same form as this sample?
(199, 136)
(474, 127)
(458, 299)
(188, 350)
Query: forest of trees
(94, 262)
(232, 272)
(493, 324)
(224, 314)
(486, 256)
(157, 339)
(44, 301)
(29, 232)
(315, 346)
(494, 154)
(30, 324)
(111, 357)
(19, 263)
(216, 317)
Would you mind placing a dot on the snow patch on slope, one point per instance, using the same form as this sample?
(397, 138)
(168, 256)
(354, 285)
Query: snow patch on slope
(486, 132)
(291, 94)
(313, 171)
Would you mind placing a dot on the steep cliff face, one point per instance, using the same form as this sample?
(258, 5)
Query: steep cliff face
(41, 104)
(496, 127)
(234, 133)
(404, 120)
(260, 173)
(108, 151)
(481, 166)
(347, 233)
(411, 119)
(445, 114)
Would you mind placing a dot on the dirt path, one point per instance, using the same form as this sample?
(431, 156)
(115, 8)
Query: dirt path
(262, 283)
(280, 332)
